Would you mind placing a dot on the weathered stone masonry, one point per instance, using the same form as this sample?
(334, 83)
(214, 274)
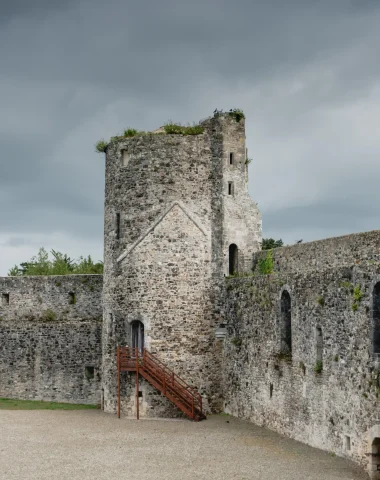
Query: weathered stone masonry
(50, 347)
(168, 227)
(334, 405)
(302, 347)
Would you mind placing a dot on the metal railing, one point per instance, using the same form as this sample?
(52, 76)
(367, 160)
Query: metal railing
(185, 396)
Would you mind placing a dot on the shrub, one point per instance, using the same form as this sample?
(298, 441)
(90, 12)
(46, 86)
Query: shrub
(318, 367)
(266, 264)
(269, 243)
(237, 113)
(358, 294)
(101, 146)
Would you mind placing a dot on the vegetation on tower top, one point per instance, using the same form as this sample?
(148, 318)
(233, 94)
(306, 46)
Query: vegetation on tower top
(168, 129)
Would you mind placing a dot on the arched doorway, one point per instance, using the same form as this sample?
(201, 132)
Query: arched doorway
(232, 259)
(138, 335)
(374, 466)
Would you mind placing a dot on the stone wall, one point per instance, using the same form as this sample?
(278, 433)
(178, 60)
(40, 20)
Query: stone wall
(167, 227)
(50, 338)
(354, 249)
(326, 392)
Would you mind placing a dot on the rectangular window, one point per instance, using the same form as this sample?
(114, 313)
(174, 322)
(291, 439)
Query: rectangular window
(5, 299)
(90, 372)
(231, 158)
(125, 158)
(348, 443)
(118, 226)
(230, 188)
(72, 298)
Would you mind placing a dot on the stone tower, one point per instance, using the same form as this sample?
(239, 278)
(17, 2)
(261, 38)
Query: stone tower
(178, 219)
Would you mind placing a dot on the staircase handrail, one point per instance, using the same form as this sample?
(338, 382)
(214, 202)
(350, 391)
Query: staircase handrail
(173, 375)
(189, 393)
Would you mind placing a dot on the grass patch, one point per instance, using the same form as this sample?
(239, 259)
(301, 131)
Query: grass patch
(131, 132)
(12, 404)
(48, 315)
(173, 128)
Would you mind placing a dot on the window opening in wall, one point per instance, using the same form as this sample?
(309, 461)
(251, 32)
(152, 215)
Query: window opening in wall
(376, 319)
(233, 259)
(140, 393)
(348, 443)
(138, 335)
(5, 299)
(125, 158)
(72, 298)
(286, 323)
(230, 188)
(231, 158)
(271, 390)
(118, 226)
(90, 372)
(319, 343)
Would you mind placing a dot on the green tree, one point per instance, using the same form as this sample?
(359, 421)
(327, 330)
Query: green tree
(61, 264)
(269, 243)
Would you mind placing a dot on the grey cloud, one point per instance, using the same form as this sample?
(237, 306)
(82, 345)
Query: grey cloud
(75, 71)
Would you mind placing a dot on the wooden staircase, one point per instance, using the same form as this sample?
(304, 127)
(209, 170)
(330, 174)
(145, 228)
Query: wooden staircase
(160, 376)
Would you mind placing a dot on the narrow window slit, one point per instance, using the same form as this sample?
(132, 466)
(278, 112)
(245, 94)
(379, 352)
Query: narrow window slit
(118, 226)
(286, 323)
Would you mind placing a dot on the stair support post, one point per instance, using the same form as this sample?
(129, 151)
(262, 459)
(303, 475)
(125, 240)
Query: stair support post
(137, 385)
(118, 382)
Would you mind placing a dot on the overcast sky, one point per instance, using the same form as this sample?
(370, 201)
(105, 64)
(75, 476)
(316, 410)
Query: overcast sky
(305, 72)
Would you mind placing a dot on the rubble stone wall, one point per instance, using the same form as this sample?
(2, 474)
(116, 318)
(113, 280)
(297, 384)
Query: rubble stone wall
(50, 338)
(326, 391)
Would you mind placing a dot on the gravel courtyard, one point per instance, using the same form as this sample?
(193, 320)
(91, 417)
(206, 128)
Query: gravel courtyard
(89, 444)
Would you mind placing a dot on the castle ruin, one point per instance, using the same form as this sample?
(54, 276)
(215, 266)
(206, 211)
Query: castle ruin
(289, 339)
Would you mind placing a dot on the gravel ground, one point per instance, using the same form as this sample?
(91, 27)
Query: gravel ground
(81, 445)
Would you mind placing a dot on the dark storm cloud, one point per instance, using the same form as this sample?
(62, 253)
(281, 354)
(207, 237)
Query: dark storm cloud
(305, 72)
(10, 9)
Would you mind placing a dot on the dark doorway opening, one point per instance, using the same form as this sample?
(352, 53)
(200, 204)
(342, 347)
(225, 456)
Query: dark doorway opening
(138, 335)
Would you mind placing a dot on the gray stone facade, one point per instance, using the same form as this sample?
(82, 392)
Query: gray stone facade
(182, 257)
(327, 391)
(170, 217)
(50, 338)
